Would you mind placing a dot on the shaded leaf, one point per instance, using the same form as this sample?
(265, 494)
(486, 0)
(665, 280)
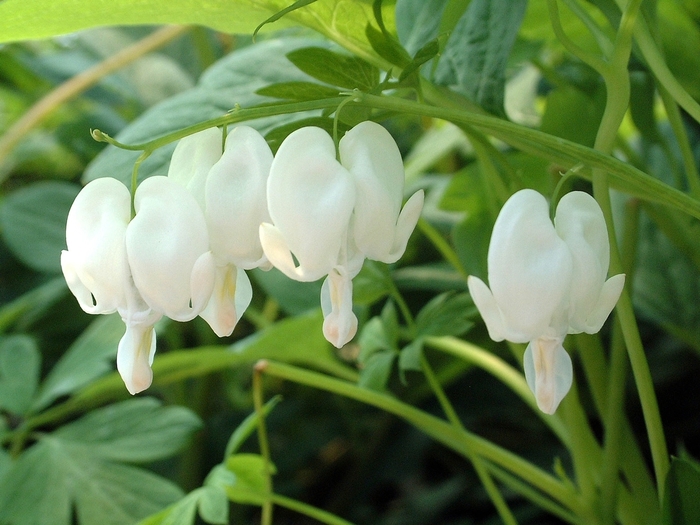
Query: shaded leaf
(475, 56)
(20, 362)
(446, 314)
(33, 223)
(336, 69)
(681, 504)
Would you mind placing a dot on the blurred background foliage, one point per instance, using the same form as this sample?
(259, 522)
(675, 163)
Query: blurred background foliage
(76, 450)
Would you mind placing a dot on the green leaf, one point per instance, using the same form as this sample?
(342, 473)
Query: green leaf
(294, 297)
(33, 222)
(298, 91)
(336, 69)
(250, 483)
(567, 105)
(181, 513)
(372, 283)
(387, 47)
(410, 357)
(89, 357)
(418, 22)
(471, 239)
(446, 314)
(45, 483)
(20, 362)
(376, 370)
(296, 5)
(681, 503)
(233, 80)
(274, 139)
(475, 57)
(424, 54)
(213, 505)
(136, 430)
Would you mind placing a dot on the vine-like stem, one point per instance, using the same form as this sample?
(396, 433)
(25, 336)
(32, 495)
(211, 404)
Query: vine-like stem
(462, 442)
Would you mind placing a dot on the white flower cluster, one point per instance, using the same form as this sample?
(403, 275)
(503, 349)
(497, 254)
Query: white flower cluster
(547, 280)
(218, 213)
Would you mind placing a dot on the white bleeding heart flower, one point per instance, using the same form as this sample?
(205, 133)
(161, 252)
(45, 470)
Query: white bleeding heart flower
(143, 268)
(231, 190)
(330, 215)
(546, 281)
(381, 227)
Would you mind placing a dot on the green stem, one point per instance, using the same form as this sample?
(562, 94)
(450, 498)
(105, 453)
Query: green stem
(491, 489)
(462, 442)
(308, 510)
(618, 88)
(266, 518)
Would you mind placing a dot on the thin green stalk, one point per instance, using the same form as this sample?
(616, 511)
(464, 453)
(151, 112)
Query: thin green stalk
(590, 59)
(618, 89)
(462, 442)
(308, 510)
(267, 507)
(491, 489)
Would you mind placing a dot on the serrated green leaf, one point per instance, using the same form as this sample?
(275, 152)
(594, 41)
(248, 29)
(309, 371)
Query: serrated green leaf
(89, 357)
(446, 314)
(681, 503)
(298, 91)
(336, 69)
(20, 363)
(136, 430)
(475, 56)
(376, 370)
(33, 223)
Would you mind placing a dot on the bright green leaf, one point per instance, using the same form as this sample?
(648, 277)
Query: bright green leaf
(20, 362)
(213, 505)
(376, 371)
(250, 484)
(33, 222)
(336, 69)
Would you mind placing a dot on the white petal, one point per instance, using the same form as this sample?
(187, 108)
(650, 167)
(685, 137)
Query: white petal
(607, 300)
(167, 246)
(408, 218)
(490, 313)
(371, 155)
(277, 252)
(135, 356)
(580, 223)
(192, 159)
(231, 296)
(95, 264)
(236, 198)
(548, 372)
(340, 323)
(310, 198)
(529, 268)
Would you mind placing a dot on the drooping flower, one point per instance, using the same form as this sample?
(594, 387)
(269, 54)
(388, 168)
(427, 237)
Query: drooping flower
(330, 215)
(156, 264)
(231, 190)
(546, 281)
